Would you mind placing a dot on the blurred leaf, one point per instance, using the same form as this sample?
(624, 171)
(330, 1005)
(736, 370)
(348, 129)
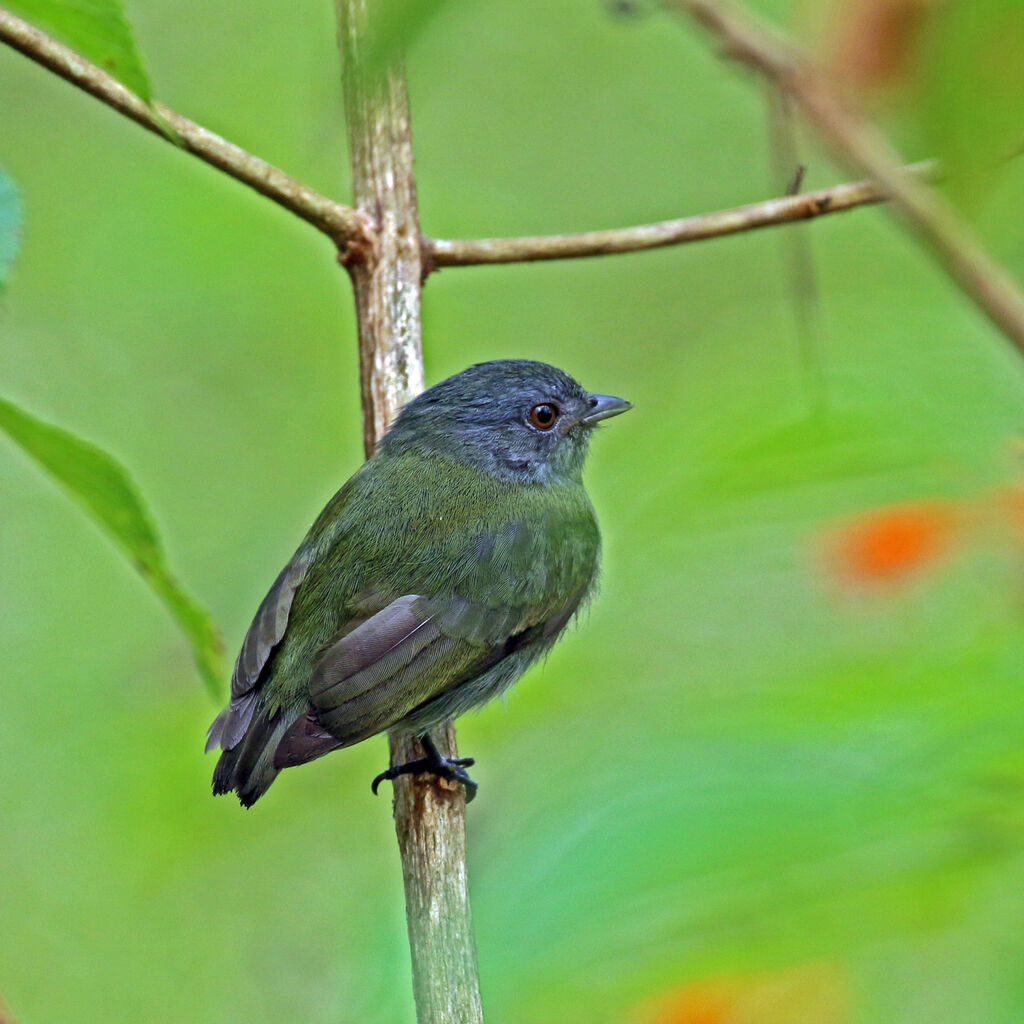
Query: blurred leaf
(97, 482)
(395, 28)
(830, 770)
(973, 100)
(98, 30)
(10, 225)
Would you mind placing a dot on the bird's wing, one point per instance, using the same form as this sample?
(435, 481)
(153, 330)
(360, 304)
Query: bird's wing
(269, 626)
(372, 676)
(518, 588)
(406, 655)
(265, 633)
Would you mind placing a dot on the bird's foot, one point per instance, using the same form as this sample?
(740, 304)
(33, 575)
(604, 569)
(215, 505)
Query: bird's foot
(452, 768)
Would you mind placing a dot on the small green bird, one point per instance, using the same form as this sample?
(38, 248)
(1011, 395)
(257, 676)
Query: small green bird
(446, 565)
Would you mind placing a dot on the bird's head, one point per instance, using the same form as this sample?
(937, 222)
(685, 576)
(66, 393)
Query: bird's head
(512, 418)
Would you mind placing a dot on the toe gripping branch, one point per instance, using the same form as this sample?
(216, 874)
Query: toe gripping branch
(434, 763)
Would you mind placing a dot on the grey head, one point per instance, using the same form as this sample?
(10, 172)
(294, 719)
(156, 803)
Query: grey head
(512, 418)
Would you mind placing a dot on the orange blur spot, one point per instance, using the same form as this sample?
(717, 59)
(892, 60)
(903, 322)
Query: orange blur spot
(815, 992)
(875, 42)
(889, 545)
(703, 1003)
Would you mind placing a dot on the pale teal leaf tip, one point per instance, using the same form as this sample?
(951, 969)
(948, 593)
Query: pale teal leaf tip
(10, 225)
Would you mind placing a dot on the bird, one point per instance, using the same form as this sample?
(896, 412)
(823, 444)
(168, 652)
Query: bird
(447, 564)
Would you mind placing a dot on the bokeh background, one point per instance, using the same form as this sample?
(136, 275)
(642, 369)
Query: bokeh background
(777, 774)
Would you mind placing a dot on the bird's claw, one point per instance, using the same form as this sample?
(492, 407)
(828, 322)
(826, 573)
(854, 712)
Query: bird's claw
(392, 773)
(457, 768)
(435, 763)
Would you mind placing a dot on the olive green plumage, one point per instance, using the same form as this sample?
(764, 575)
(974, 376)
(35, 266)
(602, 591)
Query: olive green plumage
(446, 565)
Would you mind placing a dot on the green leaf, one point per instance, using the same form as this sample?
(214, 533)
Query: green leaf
(10, 225)
(96, 29)
(108, 494)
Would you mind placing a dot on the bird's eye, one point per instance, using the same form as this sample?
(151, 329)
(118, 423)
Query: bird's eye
(543, 416)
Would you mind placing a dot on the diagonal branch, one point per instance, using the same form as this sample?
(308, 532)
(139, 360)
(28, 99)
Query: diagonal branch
(439, 252)
(857, 142)
(341, 223)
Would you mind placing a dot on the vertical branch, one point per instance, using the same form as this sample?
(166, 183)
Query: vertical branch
(386, 272)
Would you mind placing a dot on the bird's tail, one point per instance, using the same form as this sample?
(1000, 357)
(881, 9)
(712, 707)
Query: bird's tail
(248, 767)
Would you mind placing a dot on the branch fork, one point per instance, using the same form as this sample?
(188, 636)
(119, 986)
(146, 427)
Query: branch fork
(387, 257)
(355, 230)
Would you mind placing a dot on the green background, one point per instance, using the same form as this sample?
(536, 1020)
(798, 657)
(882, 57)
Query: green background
(732, 766)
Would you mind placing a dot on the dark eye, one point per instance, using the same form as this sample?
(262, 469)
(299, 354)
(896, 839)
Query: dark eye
(543, 416)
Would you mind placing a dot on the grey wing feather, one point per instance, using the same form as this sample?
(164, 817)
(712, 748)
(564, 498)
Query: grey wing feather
(372, 651)
(365, 679)
(268, 626)
(305, 740)
(265, 633)
(230, 725)
(369, 678)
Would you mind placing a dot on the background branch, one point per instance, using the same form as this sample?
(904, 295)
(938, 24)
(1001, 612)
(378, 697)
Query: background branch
(430, 813)
(858, 143)
(799, 267)
(439, 252)
(341, 223)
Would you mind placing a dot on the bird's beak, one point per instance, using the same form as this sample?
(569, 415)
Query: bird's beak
(603, 406)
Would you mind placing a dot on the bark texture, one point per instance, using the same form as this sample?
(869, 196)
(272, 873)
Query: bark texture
(386, 268)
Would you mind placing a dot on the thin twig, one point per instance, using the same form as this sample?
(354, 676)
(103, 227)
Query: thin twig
(430, 813)
(441, 252)
(788, 173)
(342, 223)
(857, 142)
